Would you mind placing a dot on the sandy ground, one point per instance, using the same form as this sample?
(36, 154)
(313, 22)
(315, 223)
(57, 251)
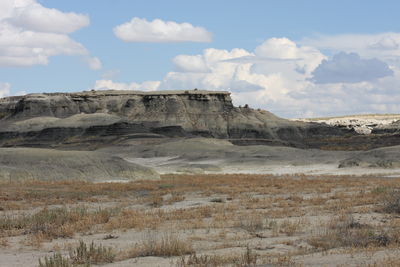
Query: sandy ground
(165, 165)
(289, 220)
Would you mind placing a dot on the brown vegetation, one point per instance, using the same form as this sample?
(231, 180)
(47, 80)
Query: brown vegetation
(207, 220)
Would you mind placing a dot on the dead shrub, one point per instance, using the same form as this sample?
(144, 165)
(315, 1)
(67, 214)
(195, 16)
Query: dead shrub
(92, 254)
(82, 255)
(56, 260)
(166, 245)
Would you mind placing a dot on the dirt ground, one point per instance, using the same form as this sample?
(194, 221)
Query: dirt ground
(203, 220)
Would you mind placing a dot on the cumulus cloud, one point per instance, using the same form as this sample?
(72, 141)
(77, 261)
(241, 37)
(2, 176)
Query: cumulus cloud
(111, 85)
(217, 71)
(159, 31)
(187, 63)
(275, 55)
(290, 78)
(350, 68)
(35, 17)
(31, 33)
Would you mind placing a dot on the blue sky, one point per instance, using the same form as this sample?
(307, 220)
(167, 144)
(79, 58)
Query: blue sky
(292, 57)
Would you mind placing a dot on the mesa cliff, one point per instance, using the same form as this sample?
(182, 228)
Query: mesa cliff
(108, 116)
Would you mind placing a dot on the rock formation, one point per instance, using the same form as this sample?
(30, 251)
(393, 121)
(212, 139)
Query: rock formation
(391, 128)
(96, 117)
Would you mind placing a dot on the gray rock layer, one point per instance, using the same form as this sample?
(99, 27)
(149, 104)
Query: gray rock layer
(55, 118)
(48, 164)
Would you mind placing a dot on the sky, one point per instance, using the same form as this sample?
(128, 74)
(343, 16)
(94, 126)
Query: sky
(298, 58)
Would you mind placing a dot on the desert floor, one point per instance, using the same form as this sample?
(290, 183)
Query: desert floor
(203, 220)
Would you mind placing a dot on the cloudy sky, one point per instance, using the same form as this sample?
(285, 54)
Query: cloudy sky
(298, 58)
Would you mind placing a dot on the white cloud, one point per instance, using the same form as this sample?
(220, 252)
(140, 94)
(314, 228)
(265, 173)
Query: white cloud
(277, 76)
(283, 48)
(5, 89)
(31, 33)
(215, 71)
(35, 17)
(111, 85)
(159, 31)
(187, 63)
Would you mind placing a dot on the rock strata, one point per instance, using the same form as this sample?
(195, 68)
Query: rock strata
(109, 116)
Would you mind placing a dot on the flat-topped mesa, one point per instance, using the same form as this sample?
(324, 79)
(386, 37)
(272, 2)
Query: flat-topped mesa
(63, 105)
(56, 117)
(193, 110)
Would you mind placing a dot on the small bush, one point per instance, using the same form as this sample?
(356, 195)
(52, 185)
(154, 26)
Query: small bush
(165, 246)
(56, 260)
(96, 254)
(82, 256)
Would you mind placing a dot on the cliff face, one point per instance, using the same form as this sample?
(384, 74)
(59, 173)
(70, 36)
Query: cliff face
(193, 111)
(109, 115)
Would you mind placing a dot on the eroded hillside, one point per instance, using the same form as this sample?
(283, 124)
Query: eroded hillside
(102, 117)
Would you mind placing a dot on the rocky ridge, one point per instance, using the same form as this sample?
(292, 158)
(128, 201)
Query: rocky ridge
(362, 124)
(96, 117)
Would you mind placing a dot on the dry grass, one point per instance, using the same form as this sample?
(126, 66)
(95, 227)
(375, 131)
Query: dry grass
(39, 193)
(344, 231)
(82, 255)
(164, 245)
(92, 254)
(56, 260)
(198, 214)
(53, 223)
